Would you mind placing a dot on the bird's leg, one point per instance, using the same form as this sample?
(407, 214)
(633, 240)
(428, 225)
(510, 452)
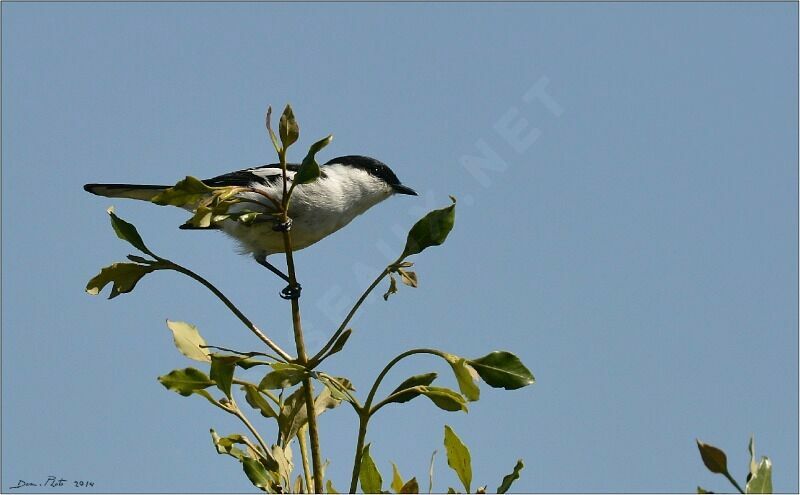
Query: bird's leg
(288, 292)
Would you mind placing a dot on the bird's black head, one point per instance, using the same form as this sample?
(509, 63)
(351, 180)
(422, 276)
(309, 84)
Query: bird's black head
(376, 168)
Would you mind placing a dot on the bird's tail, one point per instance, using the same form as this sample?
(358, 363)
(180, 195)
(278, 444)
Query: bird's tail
(144, 192)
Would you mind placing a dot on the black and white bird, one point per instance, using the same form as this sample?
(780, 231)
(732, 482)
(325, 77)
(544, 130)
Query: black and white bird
(347, 187)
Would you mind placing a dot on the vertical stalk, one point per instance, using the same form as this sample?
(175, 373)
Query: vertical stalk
(363, 419)
(302, 357)
(301, 438)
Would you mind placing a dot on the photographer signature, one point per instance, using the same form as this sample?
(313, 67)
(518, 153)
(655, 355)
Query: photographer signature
(55, 482)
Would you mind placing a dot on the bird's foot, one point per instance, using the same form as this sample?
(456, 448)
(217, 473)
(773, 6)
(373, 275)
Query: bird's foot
(283, 226)
(291, 292)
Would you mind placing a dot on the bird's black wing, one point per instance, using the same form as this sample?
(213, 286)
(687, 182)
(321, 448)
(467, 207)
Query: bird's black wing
(265, 174)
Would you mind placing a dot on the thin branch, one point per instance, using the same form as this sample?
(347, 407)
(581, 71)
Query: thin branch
(320, 356)
(249, 324)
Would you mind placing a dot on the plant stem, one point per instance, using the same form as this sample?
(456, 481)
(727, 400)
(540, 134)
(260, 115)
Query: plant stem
(301, 438)
(366, 412)
(363, 420)
(249, 324)
(733, 481)
(302, 357)
(321, 354)
(239, 414)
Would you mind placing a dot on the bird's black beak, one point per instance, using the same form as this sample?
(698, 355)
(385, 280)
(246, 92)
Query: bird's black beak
(401, 189)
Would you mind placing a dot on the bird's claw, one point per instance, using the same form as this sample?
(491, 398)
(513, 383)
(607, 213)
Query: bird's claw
(283, 226)
(291, 292)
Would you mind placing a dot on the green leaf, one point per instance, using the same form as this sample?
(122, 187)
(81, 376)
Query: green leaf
(397, 480)
(272, 135)
(186, 381)
(700, 489)
(283, 457)
(408, 278)
(458, 457)
(127, 232)
(510, 478)
(189, 341)
(250, 362)
(340, 342)
(715, 459)
(222, 368)
(288, 128)
(431, 230)
(294, 414)
(450, 489)
(256, 473)
(501, 369)
(411, 486)
(225, 445)
(444, 398)
(122, 276)
(392, 288)
(424, 379)
(329, 487)
(465, 375)
(337, 386)
(369, 475)
(309, 169)
(284, 375)
(187, 192)
(761, 482)
(257, 401)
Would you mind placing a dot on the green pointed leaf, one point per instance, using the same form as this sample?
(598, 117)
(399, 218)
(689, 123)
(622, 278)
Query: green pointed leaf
(444, 398)
(284, 375)
(225, 445)
(123, 277)
(510, 478)
(272, 135)
(458, 457)
(700, 489)
(294, 414)
(465, 375)
(186, 381)
(424, 379)
(222, 368)
(127, 232)
(411, 486)
(329, 487)
(715, 459)
(501, 369)
(283, 457)
(408, 278)
(256, 473)
(189, 341)
(187, 192)
(397, 480)
(340, 342)
(431, 230)
(250, 362)
(450, 490)
(257, 401)
(369, 475)
(309, 169)
(337, 386)
(761, 482)
(392, 288)
(288, 128)
(751, 449)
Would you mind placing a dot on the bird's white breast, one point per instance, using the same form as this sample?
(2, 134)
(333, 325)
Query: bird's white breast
(317, 209)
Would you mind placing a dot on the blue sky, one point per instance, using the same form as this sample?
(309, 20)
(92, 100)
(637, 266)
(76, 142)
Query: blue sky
(632, 235)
